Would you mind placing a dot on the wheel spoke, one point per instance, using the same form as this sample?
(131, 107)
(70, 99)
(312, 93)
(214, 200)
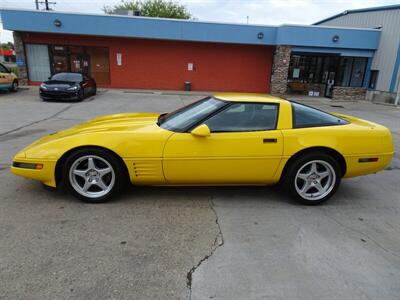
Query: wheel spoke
(319, 187)
(101, 184)
(104, 171)
(303, 176)
(313, 167)
(305, 187)
(324, 174)
(86, 186)
(91, 164)
(80, 173)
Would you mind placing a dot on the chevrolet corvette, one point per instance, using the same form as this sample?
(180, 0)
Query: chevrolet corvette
(225, 139)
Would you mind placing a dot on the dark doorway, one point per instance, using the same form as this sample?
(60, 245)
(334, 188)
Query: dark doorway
(92, 61)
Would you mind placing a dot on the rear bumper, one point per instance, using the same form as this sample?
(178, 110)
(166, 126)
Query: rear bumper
(46, 175)
(357, 168)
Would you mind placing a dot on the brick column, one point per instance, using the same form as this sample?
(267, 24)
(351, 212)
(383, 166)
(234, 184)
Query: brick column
(280, 70)
(19, 51)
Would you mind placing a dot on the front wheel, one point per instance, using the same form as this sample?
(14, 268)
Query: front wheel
(93, 175)
(14, 86)
(313, 178)
(81, 95)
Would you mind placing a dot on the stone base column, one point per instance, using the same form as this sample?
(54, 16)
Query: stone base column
(348, 93)
(20, 52)
(280, 70)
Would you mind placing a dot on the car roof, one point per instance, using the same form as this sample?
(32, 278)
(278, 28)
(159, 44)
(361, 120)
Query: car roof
(68, 73)
(249, 97)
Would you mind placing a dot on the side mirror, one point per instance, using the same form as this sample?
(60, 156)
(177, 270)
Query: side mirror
(49, 77)
(201, 130)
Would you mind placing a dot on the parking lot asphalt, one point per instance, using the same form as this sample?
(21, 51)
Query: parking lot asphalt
(198, 243)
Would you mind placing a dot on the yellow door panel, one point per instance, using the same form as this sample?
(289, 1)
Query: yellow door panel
(3, 78)
(223, 158)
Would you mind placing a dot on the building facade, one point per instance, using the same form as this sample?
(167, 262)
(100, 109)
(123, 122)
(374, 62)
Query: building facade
(152, 53)
(385, 74)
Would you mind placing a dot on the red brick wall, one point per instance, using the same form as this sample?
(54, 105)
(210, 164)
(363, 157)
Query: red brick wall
(158, 64)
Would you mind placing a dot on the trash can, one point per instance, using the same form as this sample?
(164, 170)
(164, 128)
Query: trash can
(188, 86)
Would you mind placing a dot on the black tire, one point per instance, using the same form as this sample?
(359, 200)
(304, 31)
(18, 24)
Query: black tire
(81, 95)
(94, 90)
(322, 160)
(14, 87)
(119, 179)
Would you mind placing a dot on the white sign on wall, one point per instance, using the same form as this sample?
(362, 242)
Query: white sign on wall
(119, 59)
(190, 66)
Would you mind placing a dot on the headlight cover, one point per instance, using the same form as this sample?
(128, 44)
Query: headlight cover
(43, 86)
(72, 88)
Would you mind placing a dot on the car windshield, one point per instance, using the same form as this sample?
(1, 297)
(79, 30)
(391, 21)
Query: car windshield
(73, 77)
(187, 116)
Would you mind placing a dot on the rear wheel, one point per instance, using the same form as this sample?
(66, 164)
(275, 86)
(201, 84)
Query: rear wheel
(93, 175)
(313, 178)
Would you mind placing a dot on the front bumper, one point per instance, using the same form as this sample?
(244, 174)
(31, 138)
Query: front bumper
(59, 95)
(22, 167)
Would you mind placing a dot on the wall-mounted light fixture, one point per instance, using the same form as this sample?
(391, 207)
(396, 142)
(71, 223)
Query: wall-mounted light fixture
(57, 23)
(260, 35)
(335, 38)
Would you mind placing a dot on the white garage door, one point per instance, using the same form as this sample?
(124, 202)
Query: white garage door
(38, 62)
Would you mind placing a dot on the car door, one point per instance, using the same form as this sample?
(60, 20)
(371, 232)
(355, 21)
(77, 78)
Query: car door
(244, 147)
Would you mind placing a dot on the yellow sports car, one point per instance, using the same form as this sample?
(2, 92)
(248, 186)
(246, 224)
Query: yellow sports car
(226, 139)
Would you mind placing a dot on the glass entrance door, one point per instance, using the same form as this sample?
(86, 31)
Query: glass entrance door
(80, 63)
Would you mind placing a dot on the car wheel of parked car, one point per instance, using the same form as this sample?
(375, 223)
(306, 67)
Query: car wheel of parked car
(81, 95)
(313, 178)
(95, 90)
(14, 86)
(93, 175)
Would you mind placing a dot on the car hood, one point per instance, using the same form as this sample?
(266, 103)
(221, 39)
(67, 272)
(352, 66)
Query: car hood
(132, 122)
(52, 84)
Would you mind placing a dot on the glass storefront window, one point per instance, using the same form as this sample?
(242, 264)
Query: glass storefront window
(346, 71)
(357, 74)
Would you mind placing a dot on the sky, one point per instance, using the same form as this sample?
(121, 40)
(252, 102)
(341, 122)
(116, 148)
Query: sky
(268, 12)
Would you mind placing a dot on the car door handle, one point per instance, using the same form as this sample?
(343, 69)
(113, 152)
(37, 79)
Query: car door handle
(270, 140)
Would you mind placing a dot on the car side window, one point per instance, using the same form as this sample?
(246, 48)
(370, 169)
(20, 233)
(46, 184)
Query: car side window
(3, 69)
(305, 116)
(239, 117)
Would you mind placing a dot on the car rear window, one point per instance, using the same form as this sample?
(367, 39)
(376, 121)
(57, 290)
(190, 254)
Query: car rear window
(306, 116)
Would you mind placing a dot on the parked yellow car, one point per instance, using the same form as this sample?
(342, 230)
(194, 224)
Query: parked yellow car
(8, 80)
(226, 139)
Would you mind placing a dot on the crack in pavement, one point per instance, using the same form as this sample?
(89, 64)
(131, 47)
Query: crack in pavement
(218, 242)
(35, 122)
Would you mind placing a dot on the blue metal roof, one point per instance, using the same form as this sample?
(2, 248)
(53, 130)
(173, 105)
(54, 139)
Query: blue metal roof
(361, 10)
(188, 30)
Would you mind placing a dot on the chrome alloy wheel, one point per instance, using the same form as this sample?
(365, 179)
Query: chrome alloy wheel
(92, 176)
(315, 179)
